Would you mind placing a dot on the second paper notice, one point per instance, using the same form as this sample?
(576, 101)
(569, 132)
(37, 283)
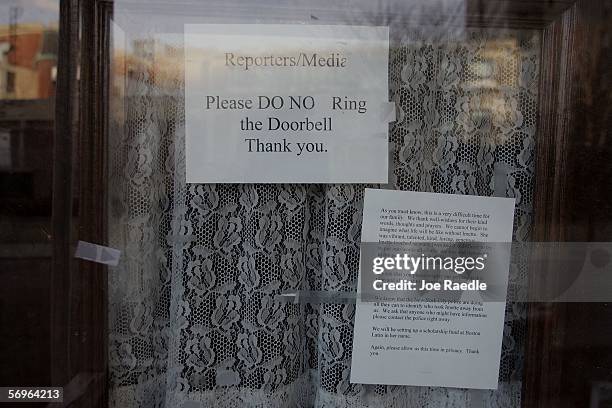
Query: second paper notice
(429, 343)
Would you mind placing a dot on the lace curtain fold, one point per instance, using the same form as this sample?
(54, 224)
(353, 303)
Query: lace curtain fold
(194, 319)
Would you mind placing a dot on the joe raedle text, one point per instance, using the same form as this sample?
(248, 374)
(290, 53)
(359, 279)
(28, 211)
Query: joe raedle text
(424, 285)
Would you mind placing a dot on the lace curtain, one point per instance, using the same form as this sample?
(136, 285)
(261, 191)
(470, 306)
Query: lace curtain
(195, 319)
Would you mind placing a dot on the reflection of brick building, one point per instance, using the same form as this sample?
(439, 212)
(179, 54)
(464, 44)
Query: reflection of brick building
(27, 69)
(28, 60)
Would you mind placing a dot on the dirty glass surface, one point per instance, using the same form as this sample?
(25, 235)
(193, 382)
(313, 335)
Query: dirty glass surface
(194, 316)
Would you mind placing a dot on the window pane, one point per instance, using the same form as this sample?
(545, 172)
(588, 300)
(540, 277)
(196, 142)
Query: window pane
(28, 61)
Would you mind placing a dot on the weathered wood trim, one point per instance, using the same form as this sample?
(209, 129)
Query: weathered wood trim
(544, 323)
(572, 152)
(79, 340)
(92, 277)
(66, 133)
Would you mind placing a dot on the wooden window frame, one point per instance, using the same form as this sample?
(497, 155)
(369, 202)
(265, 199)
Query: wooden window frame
(568, 115)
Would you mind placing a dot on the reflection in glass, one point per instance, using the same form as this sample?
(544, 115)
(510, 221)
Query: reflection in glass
(28, 70)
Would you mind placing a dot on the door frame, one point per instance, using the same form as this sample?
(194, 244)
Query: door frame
(79, 297)
(571, 69)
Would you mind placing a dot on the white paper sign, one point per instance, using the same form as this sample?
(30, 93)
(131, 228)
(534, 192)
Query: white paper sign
(460, 350)
(286, 103)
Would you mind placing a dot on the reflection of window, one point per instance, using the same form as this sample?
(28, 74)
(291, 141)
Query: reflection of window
(5, 149)
(10, 82)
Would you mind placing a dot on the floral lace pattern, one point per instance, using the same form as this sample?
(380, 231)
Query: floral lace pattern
(194, 317)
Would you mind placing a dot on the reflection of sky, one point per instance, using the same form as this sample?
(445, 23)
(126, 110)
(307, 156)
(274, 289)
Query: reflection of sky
(32, 11)
(430, 18)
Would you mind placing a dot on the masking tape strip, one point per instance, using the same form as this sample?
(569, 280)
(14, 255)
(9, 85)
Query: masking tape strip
(227, 377)
(388, 112)
(97, 253)
(317, 296)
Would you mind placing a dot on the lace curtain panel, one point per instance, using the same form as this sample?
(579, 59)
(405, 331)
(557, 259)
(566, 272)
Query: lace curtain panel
(194, 315)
